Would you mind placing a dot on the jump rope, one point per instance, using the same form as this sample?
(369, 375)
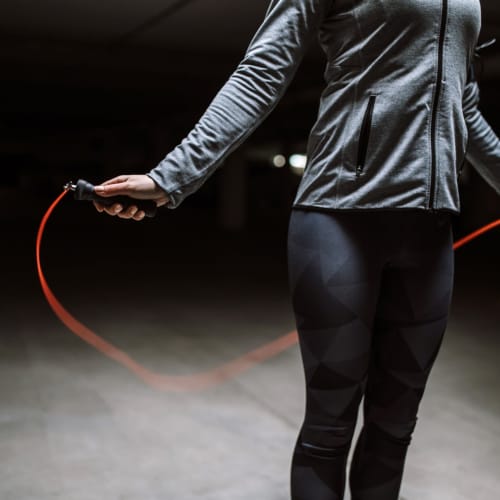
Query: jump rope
(84, 190)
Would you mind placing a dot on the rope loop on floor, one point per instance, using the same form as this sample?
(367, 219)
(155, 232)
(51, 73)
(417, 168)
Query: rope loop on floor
(177, 383)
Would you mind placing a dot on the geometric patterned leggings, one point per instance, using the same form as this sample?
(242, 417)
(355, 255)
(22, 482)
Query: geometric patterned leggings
(371, 292)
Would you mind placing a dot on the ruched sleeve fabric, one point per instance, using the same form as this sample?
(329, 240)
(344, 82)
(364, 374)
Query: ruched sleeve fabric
(483, 151)
(246, 99)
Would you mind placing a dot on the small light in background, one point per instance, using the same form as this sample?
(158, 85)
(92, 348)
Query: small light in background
(279, 161)
(298, 163)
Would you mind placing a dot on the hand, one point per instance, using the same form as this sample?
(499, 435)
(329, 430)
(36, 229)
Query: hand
(140, 187)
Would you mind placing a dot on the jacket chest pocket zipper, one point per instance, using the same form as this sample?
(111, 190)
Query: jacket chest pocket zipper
(364, 135)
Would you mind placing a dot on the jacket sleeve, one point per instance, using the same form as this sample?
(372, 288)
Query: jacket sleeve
(246, 99)
(483, 151)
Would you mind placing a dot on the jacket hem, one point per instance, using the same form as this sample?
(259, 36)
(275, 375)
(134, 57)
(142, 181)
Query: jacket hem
(303, 206)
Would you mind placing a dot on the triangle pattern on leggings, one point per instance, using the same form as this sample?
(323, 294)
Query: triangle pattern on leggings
(340, 404)
(318, 341)
(326, 378)
(349, 294)
(424, 341)
(312, 308)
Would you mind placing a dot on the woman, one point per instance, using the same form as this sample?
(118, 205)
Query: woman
(370, 244)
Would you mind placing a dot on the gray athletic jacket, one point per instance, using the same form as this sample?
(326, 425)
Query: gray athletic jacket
(396, 117)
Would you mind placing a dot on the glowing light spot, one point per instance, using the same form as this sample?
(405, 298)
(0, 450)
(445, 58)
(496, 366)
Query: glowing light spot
(298, 163)
(279, 161)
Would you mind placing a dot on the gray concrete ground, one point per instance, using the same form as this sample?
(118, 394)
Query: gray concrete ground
(76, 426)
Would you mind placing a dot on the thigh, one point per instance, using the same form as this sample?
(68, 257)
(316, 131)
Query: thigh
(410, 320)
(334, 280)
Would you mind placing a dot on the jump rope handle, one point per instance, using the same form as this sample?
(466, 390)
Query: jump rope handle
(84, 190)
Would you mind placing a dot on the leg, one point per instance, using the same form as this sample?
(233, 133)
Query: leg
(334, 286)
(410, 322)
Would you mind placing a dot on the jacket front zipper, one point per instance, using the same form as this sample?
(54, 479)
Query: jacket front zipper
(442, 32)
(364, 135)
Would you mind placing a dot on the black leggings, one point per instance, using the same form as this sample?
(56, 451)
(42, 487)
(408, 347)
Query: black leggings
(371, 293)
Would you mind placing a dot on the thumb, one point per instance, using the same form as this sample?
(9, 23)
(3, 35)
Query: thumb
(118, 188)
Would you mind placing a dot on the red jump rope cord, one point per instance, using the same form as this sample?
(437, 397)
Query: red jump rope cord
(176, 383)
(476, 234)
(180, 383)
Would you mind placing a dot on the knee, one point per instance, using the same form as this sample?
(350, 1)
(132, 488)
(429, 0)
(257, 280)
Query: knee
(326, 441)
(397, 432)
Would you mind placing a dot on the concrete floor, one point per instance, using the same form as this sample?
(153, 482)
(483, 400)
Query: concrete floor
(76, 426)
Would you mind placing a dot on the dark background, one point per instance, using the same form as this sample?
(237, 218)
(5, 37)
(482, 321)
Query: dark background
(96, 89)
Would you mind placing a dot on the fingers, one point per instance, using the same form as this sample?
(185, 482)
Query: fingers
(128, 213)
(98, 206)
(132, 213)
(116, 209)
(139, 215)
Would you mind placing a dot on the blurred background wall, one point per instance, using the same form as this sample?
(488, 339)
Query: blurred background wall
(93, 89)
